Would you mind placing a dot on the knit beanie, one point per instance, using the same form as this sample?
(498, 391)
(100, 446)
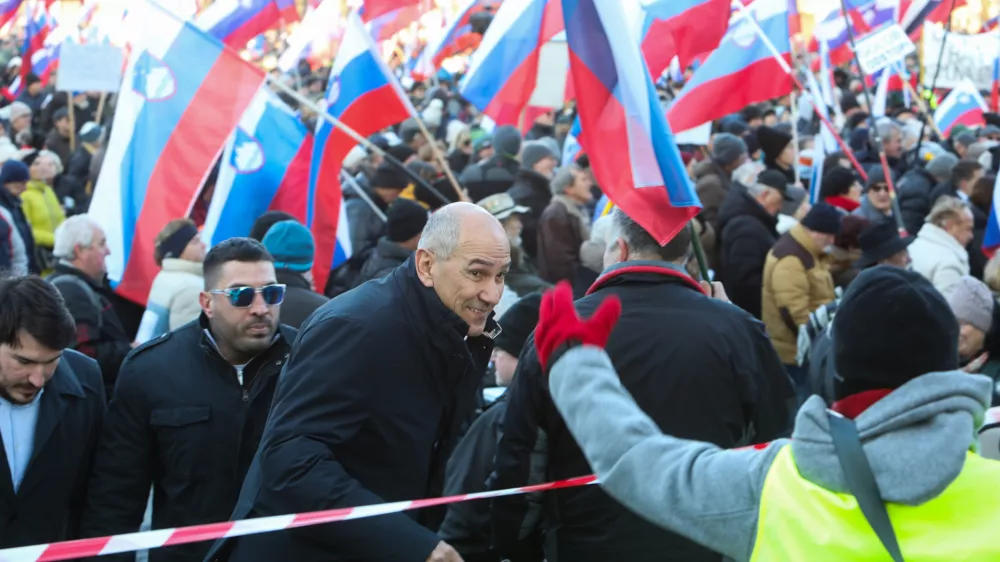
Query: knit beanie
(291, 244)
(824, 218)
(534, 152)
(772, 142)
(891, 327)
(971, 301)
(941, 166)
(517, 324)
(405, 220)
(837, 181)
(13, 171)
(727, 149)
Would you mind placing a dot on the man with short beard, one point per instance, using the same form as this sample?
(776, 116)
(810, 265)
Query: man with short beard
(189, 407)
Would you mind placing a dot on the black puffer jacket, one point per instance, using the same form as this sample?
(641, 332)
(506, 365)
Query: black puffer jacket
(387, 256)
(497, 173)
(914, 194)
(747, 232)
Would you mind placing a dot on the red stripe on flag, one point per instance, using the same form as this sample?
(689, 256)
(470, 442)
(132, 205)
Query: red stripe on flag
(186, 160)
(293, 193)
(376, 8)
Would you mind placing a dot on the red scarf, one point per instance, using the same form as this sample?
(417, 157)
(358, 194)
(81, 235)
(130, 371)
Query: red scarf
(853, 405)
(842, 202)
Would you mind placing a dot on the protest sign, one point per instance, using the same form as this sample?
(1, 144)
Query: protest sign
(965, 57)
(883, 47)
(89, 68)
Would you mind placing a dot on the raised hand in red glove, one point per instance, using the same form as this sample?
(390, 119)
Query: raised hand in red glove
(559, 325)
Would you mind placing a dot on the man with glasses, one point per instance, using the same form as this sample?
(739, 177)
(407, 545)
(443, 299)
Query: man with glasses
(189, 407)
(876, 204)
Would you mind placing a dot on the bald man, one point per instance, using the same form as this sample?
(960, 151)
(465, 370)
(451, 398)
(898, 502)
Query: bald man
(378, 384)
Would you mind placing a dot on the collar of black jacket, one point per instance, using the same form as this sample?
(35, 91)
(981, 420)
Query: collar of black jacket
(292, 279)
(641, 270)
(65, 268)
(284, 335)
(65, 381)
(440, 316)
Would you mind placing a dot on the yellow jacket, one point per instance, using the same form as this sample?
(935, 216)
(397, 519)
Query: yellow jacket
(43, 211)
(797, 281)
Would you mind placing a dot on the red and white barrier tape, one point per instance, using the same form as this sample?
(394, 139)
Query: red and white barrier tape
(131, 542)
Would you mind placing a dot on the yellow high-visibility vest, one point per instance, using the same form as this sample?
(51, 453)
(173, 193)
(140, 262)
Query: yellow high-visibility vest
(801, 521)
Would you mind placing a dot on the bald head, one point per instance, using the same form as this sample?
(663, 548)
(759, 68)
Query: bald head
(464, 255)
(447, 227)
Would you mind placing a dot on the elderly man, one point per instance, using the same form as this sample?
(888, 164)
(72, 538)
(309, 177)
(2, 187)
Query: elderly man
(353, 425)
(939, 252)
(79, 275)
(564, 225)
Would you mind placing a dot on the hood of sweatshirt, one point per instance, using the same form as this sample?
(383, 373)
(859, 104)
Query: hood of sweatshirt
(915, 438)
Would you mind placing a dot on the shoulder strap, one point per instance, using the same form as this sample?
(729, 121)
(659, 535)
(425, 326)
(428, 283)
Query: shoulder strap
(861, 481)
(95, 299)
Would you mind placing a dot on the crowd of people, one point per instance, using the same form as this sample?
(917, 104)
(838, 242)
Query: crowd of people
(242, 390)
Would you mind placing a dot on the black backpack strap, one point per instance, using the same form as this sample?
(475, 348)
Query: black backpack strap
(861, 481)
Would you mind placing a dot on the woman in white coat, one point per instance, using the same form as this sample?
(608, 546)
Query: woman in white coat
(173, 299)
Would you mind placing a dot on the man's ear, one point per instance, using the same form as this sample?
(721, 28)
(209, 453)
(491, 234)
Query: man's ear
(622, 250)
(425, 262)
(205, 300)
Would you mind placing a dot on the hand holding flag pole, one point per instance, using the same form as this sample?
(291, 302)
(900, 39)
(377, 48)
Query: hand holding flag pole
(356, 136)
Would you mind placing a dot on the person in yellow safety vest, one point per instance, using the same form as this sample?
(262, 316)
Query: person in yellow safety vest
(897, 357)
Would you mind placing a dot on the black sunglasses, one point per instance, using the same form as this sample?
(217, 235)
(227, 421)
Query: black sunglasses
(242, 297)
(879, 187)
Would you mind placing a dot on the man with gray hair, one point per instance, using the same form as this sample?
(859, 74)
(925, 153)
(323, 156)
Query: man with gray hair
(354, 425)
(564, 225)
(695, 365)
(891, 135)
(81, 248)
(939, 252)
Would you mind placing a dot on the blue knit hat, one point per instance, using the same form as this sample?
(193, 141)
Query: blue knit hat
(292, 246)
(13, 171)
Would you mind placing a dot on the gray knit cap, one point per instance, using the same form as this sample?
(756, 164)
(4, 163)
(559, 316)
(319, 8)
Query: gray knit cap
(727, 148)
(972, 302)
(940, 167)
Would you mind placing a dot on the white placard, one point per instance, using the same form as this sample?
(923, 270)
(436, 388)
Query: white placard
(882, 48)
(966, 57)
(89, 68)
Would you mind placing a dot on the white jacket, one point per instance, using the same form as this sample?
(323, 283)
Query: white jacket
(173, 299)
(939, 257)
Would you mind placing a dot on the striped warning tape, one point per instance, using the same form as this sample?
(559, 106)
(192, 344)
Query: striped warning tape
(132, 542)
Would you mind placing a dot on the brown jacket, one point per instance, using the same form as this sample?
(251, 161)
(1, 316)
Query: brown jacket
(797, 281)
(562, 229)
(712, 185)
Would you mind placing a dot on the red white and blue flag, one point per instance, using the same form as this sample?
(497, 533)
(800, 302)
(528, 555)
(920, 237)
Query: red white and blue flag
(36, 31)
(374, 9)
(235, 22)
(503, 72)
(365, 96)
(321, 28)
(682, 29)
(265, 166)
(454, 38)
(623, 129)
(995, 89)
(8, 10)
(742, 71)
(991, 237)
(963, 106)
(183, 96)
(864, 15)
(386, 18)
(916, 12)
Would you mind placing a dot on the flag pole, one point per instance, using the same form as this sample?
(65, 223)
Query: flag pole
(937, 71)
(873, 129)
(788, 70)
(322, 113)
(440, 158)
(346, 178)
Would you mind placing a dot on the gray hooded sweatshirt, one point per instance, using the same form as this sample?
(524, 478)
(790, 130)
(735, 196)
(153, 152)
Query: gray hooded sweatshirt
(916, 440)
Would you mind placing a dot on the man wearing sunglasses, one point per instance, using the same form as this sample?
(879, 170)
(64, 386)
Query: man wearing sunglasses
(373, 400)
(189, 407)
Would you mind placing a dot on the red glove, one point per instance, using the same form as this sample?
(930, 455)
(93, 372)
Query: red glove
(560, 325)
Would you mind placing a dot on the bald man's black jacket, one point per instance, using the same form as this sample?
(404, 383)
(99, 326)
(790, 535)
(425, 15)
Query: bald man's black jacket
(377, 390)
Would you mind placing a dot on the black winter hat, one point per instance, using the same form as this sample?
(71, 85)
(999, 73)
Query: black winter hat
(824, 218)
(837, 181)
(405, 220)
(892, 326)
(772, 141)
(517, 323)
(390, 176)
